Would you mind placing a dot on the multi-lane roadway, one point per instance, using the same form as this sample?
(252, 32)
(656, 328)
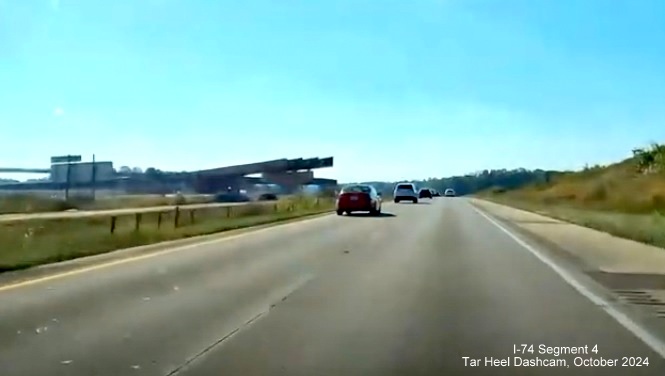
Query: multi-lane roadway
(426, 289)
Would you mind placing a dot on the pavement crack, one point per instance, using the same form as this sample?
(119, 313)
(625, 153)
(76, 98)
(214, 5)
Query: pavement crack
(213, 345)
(236, 330)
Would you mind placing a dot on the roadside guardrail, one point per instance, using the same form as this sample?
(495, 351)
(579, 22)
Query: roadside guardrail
(184, 215)
(124, 211)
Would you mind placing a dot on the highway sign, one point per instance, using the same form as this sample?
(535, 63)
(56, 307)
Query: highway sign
(66, 159)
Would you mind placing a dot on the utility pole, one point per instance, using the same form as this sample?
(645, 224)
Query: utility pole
(94, 176)
(69, 175)
(57, 162)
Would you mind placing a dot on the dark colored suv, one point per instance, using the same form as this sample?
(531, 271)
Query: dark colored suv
(425, 193)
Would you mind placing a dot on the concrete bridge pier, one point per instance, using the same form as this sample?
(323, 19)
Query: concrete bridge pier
(289, 181)
(218, 184)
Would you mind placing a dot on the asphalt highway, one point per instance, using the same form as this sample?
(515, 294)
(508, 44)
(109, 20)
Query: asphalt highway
(413, 292)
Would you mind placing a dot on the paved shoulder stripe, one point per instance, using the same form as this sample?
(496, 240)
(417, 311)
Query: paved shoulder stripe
(655, 343)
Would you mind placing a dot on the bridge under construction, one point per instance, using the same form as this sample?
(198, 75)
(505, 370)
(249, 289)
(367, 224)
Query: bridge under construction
(287, 173)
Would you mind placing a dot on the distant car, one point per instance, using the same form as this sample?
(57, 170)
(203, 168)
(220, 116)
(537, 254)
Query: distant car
(425, 193)
(405, 192)
(268, 197)
(449, 192)
(358, 198)
(435, 193)
(231, 197)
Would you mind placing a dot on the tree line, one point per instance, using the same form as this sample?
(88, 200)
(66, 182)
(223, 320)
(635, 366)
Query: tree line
(648, 160)
(501, 179)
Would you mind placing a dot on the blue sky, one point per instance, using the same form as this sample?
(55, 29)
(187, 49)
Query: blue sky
(392, 89)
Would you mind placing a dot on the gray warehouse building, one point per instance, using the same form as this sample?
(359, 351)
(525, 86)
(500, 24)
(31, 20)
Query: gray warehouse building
(82, 172)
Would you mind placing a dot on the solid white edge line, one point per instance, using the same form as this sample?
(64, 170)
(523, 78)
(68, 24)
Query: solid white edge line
(655, 343)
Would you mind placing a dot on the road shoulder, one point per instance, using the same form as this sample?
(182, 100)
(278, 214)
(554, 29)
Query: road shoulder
(623, 276)
(600, 250)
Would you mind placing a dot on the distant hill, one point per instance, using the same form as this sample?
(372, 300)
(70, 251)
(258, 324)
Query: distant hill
(8, 181)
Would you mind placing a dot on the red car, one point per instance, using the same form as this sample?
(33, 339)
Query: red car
(359, 198)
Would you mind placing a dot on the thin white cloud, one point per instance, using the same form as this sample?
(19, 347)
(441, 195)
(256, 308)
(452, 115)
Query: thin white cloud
(58, 111)
(55, 4)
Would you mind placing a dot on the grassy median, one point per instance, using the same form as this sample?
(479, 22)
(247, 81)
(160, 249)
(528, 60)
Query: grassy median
(34, 242)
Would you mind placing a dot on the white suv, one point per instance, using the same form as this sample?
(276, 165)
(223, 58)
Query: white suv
(405, 192)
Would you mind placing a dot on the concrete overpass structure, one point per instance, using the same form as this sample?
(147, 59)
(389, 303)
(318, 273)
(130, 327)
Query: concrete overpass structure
(11, 170)
(315, 181)
(288, 173)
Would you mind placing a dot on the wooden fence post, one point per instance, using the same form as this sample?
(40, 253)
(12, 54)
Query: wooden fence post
(159, 220)
(137, 222)
(191, 216)
(228, 212)
(176, 216)
(113, 219)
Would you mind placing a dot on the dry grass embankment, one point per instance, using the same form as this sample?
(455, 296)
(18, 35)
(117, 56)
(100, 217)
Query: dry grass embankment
(626, 199)
(33, 242)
